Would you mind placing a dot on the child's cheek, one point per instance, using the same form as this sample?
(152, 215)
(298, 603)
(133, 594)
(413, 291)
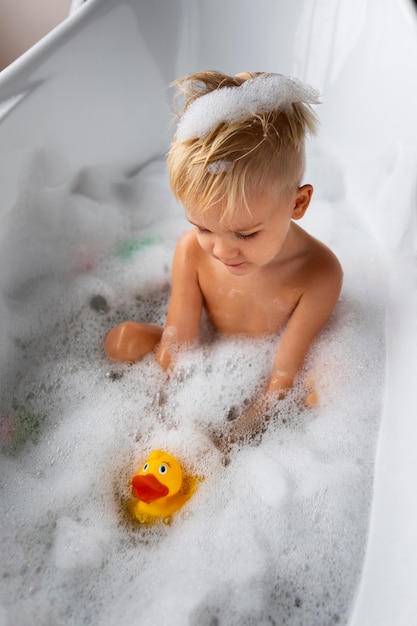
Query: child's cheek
(204, 242)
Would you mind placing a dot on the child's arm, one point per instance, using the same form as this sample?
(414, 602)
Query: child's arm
(186, 302)
(307, 320)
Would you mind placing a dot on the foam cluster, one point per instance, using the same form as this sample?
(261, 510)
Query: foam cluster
(263, 93)
(275, 536)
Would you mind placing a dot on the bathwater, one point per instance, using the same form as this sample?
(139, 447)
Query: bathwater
(277, 535)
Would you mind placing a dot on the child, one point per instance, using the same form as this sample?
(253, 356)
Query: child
(237, 163)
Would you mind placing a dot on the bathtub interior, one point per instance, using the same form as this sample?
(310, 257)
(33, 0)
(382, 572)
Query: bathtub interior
(85, 121)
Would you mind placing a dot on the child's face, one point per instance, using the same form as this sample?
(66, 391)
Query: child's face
(247, 242)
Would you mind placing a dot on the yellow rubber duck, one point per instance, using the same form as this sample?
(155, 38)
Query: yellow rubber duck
(160, 489)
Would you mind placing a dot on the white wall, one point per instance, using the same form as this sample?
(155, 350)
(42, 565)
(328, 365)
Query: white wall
(24, 22)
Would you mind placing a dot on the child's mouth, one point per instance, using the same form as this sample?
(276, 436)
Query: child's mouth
(231, 265)
(234, 266)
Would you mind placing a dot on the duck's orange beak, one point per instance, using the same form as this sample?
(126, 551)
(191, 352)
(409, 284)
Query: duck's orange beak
(148, 488)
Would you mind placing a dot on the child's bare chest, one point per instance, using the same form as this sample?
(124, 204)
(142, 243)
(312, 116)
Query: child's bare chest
(253, 304)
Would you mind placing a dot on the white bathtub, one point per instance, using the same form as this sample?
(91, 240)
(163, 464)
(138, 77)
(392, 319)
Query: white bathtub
(95, 89)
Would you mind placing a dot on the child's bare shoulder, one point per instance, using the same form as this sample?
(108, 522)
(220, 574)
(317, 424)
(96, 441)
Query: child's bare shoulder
(188, 255)
(320, 264)
(321, 253)
(188, 246)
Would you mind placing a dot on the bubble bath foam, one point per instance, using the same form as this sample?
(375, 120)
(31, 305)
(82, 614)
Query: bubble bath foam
(295, 529)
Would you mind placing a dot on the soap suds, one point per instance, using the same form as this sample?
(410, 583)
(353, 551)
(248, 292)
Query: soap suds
(266, 92)
(277, 536)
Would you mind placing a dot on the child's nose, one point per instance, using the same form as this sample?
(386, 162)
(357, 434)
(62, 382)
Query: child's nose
(224, 249)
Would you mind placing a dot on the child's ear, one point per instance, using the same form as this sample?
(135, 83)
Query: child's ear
(301, 202)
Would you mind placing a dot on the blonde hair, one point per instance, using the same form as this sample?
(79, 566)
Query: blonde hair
(256, 152)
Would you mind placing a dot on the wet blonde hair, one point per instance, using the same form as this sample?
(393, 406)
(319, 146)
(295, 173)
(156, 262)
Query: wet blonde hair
(258, 153)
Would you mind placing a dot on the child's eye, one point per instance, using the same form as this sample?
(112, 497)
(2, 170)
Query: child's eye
(248, 236)
(202, 231)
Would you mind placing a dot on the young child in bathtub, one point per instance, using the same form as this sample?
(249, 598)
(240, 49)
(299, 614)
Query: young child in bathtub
(236, 164)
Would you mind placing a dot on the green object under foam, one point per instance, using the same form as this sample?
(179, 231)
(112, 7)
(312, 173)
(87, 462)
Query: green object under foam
(126, 249)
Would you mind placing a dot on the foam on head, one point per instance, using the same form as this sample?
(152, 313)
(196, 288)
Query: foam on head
(259, 94)
(238, 137)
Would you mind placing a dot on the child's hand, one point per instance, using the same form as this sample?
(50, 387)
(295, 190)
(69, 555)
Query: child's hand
(279, 385)
(250, 424)
(253, 421)
(164, 357)
(311, 399)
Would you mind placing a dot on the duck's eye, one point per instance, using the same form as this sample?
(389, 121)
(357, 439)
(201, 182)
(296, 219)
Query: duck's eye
(145, 467)
(163, 469)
